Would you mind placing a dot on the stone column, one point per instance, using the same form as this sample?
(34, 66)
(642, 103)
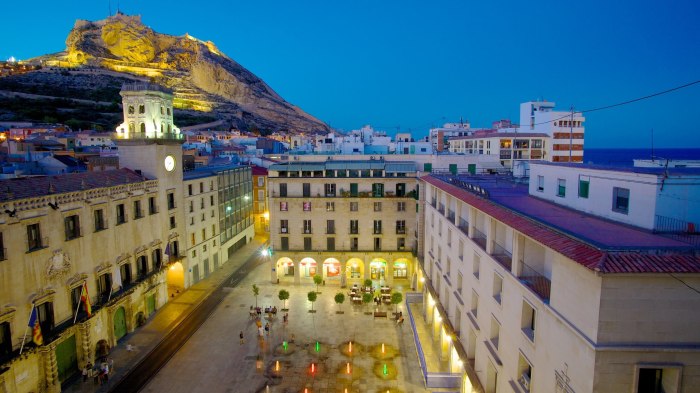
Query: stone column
(343, 273)
(518, 253)
(389, 273)
(297, 272)
(366, 262)
(274, 273)
(85, 342)
(48, 355)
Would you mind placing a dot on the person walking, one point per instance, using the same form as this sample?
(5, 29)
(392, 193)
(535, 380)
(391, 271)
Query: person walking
(86, 371)
(267, 328)
(241, 336)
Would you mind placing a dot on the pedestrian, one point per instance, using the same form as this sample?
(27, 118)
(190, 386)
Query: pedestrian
(260, 332)
(267, 328)
(286, 317)
(241, 336)
(86, 371)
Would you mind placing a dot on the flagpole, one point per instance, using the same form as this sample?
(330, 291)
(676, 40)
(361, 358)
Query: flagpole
(26, 328)
(82, 289)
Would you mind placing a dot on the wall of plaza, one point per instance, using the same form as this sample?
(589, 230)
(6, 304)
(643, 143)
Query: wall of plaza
(47, 260)
(527, 316)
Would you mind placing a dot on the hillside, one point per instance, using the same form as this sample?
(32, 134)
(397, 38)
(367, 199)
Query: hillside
(100, 56)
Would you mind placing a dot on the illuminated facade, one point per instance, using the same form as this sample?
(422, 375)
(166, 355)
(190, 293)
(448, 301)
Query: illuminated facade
(344, 220)
(148, 112)
(261, 213)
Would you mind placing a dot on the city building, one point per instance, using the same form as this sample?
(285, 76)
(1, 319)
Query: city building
(559, 284)
(261, 213)
(344, 220)
(117, 239)
(565, 129)
(506, 147)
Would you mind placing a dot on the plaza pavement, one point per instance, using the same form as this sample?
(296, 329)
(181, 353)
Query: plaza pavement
(213, 360)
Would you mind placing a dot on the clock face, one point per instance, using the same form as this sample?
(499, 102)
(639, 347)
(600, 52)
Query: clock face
(169, 163)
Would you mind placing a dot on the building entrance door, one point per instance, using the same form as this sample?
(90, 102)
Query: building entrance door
(66, 359)
(119, 323)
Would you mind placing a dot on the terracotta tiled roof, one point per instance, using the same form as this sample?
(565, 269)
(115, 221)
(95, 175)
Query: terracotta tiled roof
(605, 258)
(30, 187)
(259, 171)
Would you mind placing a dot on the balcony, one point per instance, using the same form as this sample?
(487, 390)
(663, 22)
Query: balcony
(400, 231)
(451, 215)
(502, 256)
(464, 226)
(536, 281)
(441, 209)
(284, 230)
(479, 238)
(37, 244)
(307, 231)
(433, 203)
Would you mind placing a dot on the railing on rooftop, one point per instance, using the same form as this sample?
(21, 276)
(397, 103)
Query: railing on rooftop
(479, 238)
(502, 256)
(536, 281)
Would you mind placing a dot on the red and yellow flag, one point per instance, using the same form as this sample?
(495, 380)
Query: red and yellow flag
(36, 328)
(85, 299)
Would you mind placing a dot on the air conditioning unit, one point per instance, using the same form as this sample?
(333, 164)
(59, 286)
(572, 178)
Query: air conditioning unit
(284, 230)
(525, 381)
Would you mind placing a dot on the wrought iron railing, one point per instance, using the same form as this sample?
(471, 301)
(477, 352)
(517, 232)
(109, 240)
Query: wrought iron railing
(536, 281)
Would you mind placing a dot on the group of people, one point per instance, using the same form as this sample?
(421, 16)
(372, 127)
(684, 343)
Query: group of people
(99, 372)
(256, 313)
(399, 318)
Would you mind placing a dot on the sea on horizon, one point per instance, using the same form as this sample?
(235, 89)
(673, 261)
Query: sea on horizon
(625, 157)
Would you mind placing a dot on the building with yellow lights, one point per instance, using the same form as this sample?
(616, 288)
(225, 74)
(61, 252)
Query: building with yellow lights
(261, 214)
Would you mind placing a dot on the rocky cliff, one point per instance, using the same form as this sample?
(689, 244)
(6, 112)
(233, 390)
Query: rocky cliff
(202, 77)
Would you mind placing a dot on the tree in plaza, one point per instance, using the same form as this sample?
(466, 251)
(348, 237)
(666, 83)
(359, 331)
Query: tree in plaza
(318, 279)
(256, 292)
(368, 283)
(396, 298)
(366, 297)
(339, 299)
(312, 296)
(284, 295)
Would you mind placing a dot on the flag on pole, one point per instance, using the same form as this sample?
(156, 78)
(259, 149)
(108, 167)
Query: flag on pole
(167, 249)
(85, 299)
(36, 328)
(117, 278)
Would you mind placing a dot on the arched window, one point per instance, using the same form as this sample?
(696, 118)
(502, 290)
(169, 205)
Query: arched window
(168, 111)
(143, 128)
(162, 111)
(162, 127)
(131, 127)
(169, 129)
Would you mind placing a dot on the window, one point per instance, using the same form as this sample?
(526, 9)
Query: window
(201, 187)
(307, 226)
(449, 237)
(658, 379)
(621, 200)
(45, 315)
(475, 303)
(377, 206)
(142, 109)
(121, 214)
(72, 227)
(152, 208)
(131, 109)
(172, 222)
(283, 206)
(284, 243)
(104, 287)
(495, 332)
(330, 244)
(5, 339)
(330, 227)
(540, 183)
(100, 223)
(461, 250)
(307, 206)
(330, 206)
(561, 188)
(401, 227)
(449, 268)
(400, 243)
(354, 244)
(528, 320)
(261, 181)
(377, 227)
(459, 283)
(377, 190)
(191, 206)
(306, 189)
(476, 265)
(330, 190)
(353, 206)
(524, 373)
(353, 190)
(283, 189)
(193, 239)
(138, 212)
(307, 244)
(401, 189)
(284, 226)
(211, 200)
(171, 201)
(354, 227)
(401, 206)
(583, 185)
(141, 266)
(377, 244)
(201, 203)
(497, 287)
(34, 240)
(189, 189)
(157, 259)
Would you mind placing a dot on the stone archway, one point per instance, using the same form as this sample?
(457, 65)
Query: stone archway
(331, 269)
(400, 269)
(378, 269)
(355, 269)
(285, 267)
(308, 267)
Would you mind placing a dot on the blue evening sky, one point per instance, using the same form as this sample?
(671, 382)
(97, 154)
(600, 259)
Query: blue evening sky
(416, 64)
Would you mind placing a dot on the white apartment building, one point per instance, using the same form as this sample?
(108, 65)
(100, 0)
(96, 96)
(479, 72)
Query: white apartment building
(565, 129)
(529, 295)
(506, 147)
(439, 136)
